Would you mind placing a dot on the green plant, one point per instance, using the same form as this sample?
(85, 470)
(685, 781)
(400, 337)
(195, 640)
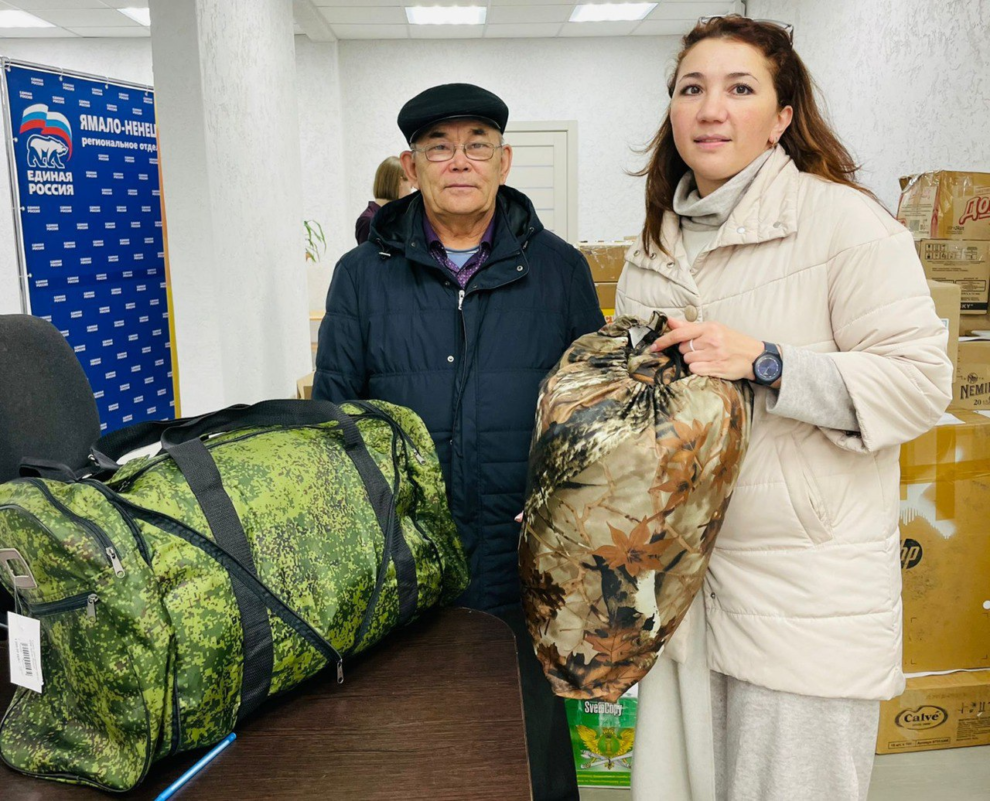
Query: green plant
(316, 241)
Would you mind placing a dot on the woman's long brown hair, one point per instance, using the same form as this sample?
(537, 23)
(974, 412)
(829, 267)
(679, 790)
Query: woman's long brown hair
(808, 140)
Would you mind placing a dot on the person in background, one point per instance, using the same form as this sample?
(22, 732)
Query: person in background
(391, 184)
(779, 269)
(456, 307)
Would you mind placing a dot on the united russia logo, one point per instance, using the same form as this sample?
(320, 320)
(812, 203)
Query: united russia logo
(51, 137)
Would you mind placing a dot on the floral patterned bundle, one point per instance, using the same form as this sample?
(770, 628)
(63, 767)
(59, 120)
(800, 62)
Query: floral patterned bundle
(631, 470)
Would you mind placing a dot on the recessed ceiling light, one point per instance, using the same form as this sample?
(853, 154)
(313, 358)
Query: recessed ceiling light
(611, 12)
(141, 15)
(446, 15)
(21, 19)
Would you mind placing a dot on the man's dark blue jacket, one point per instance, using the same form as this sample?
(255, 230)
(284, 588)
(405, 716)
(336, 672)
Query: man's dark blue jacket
(469, 362)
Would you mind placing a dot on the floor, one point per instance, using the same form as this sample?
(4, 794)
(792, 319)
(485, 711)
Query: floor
(957, 774)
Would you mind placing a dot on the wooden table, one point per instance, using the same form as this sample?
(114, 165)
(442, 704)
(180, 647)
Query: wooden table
(434, 713)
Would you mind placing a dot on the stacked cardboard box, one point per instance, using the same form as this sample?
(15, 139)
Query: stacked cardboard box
(304, 387)
(949, 215)
(945, 488)
(606, 260)
(945, 565)
(947, 298)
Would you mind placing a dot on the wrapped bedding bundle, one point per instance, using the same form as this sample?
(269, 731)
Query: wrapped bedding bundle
(631, 470)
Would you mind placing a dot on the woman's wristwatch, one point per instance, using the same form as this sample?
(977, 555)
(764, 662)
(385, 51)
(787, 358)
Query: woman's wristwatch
(768, 365)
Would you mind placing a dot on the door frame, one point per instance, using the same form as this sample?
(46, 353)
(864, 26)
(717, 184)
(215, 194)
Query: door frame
(568, 127)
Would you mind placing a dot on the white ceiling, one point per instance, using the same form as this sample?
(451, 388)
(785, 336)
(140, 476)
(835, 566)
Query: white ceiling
(327, 20)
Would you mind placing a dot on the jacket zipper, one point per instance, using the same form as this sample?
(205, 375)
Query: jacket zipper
(99, 534)
(89, 600)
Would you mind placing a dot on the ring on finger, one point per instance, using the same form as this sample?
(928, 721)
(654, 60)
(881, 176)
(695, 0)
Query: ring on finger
(691, 345)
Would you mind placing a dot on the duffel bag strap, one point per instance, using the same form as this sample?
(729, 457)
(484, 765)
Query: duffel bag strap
(109, 449)
(201, 472)
(199, 469)
(46, 468)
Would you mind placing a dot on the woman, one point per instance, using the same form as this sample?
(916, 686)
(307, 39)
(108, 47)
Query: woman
(780, 270)
(391, 183)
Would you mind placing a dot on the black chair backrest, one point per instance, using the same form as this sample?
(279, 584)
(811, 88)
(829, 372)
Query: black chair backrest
(47, 409)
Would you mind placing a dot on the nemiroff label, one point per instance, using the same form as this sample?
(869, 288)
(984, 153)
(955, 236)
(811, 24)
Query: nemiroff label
(603, 737)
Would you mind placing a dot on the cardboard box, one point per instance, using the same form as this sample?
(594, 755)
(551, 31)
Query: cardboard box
(606, 259)
(971, 389)
(304, 387)
(946, 205)
(965, 263)
(974, 325)
(947, 299)
(950, 711)
(606, 300)
(945, 545)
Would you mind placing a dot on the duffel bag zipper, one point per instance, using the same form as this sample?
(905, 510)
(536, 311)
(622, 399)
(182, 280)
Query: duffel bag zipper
(211, 444)
(407, 441)
(112, 498)
(99, 534)
(380, 414)
(275, 604)
(394, 529)
(87, 600)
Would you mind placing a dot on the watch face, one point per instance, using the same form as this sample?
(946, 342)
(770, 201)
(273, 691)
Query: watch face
(767, 368)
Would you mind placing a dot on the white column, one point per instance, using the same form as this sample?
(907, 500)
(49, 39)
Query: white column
(229, 132)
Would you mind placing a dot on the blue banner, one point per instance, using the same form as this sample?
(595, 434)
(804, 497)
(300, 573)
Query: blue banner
(85, 158)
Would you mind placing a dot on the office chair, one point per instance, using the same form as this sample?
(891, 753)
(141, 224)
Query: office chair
(47, 409)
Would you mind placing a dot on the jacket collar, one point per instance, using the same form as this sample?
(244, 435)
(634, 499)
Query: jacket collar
(399, 226)
(767, 211)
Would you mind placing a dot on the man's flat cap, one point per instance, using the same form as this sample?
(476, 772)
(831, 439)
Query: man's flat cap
(451, 101)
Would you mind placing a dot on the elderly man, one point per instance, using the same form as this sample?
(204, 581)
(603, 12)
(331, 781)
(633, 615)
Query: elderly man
(457, 306)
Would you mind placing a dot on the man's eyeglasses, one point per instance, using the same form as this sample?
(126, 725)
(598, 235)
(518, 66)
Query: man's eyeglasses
(445, 151)
(786, 27)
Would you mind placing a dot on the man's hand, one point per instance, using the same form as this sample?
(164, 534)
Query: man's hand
(712, 349)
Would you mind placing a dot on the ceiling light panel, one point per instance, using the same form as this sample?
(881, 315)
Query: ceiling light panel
(446, 15)
(611, 12)
(140, 15)
(21, 19)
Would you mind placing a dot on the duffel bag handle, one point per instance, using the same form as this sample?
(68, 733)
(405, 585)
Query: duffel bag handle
(109, 449)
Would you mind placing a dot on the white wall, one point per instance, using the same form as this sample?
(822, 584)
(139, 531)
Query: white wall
(233, 198)
(123, 59)
(324, 174)
(907, 82)
(614, 88)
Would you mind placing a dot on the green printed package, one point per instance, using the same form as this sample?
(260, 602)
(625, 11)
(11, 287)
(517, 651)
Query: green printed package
(602, 737)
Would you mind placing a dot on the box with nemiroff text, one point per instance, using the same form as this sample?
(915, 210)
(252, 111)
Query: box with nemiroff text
(971, 389)
(943, 711)
(945, 545)
(603, 737)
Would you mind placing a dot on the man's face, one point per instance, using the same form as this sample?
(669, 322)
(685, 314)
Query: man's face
(460, 186)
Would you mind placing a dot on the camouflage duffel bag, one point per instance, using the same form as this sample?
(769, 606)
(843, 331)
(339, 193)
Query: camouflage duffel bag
(263, 544)
(631, 468)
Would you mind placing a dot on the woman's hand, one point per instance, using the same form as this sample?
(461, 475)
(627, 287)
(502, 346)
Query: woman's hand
(712, 349)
